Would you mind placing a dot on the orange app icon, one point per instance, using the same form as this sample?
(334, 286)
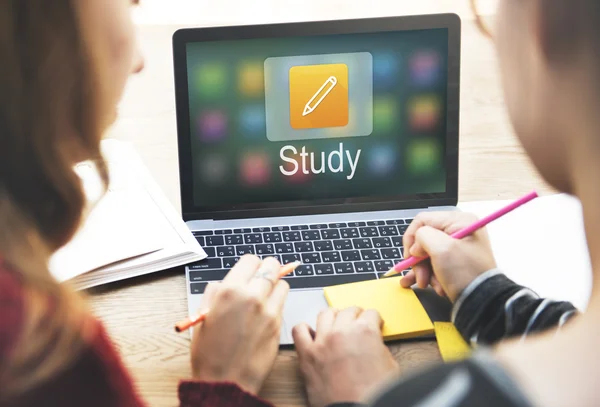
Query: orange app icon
(319, 96)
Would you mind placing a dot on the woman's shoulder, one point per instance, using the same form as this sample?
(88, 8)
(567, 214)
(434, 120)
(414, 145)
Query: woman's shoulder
(11, 307)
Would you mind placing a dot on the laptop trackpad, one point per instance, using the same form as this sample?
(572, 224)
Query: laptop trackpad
(301, 307)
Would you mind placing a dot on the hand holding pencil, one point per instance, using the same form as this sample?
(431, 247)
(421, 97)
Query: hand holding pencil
(238, 339)
(449, 249)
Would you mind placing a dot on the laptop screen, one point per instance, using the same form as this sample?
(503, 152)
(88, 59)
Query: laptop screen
(317, 118)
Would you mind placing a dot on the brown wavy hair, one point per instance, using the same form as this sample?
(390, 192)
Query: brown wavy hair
(51, 110)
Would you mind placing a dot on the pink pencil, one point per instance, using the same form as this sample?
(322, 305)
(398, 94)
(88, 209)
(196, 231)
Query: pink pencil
(411, 261)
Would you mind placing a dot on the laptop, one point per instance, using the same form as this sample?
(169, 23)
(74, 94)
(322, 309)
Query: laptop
(314, 141)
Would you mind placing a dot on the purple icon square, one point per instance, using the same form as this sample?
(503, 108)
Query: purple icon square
(212, 125)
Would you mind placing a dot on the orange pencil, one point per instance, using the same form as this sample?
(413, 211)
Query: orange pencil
(190, 322)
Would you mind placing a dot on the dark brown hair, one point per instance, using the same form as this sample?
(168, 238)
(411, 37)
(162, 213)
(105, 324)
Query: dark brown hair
(50, 119)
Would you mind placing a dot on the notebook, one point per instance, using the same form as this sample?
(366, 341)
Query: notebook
(403, 315)
(130, 231)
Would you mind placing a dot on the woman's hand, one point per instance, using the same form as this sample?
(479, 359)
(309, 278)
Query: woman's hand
(453, 263)
(345, 360)
(239, 339)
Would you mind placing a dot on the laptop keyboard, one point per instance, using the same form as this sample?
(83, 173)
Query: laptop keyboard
(334, 253)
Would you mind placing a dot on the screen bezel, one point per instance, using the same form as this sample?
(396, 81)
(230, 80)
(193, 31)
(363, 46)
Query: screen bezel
(290, 208)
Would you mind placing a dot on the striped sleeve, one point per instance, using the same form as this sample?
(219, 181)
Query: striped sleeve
(493, 308)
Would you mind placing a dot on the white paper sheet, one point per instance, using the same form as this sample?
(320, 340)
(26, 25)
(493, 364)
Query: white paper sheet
(542, 245)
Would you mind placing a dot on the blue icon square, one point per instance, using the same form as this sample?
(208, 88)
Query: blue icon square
(385, 69)
(382, 160)
(252, 120)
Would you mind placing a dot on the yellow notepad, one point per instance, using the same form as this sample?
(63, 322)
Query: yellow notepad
(402, 312)
(452, 345)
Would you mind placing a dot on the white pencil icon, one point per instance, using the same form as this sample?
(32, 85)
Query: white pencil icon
(327, 87)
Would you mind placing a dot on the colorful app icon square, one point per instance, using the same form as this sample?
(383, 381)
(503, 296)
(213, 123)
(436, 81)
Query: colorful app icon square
(424, 113)
(214, 168)
(252, 120)
(211, 80)
(255, 169)
(212, 125)
(251, 79)
(382, 159)
(385, 113)
(425, 68)
(385, 69)
(423, 156)
(318, 96)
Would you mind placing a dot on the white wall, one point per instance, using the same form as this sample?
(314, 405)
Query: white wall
(217, 12)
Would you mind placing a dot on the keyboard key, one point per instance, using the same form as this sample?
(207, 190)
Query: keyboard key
(337, 225)
(395, 222)
(349, 233)
(280, 228)
(210, 251)
(402, 228)
(323, 245)
(215, 241)
(362, 243)
(304, 270)
(202, 232)
(291, 236)
(311, 235)
(350, 255)
(322, 269)
(223, 251)
(375, 223)
(331, 257)
(364, 267)
(244, 249)
(391, 254)
(384, 265)
(229, 262)
(284, 248)
(370, 254)
(253, 238)
(223, 232)
(210, 275)
(330, 234)
(300, 227)
(264, 249)
(200, 240)
(206, 264)
(388, 231)
(344, 244)
(356, 224)
(327, 281)
(274, 237)
(343, 268)
(369, 232)
(320, 226)
(311, 258)
(303, 247)
(234, 239)
(408, 221)
(290, 258)
(397, 241)
(261, 230)
(245, 230)
(198, 288)
(382, 242)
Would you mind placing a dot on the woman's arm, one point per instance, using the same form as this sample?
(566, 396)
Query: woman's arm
(98, 377)
(493, 307)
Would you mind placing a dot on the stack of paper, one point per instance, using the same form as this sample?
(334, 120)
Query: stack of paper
(131, 231)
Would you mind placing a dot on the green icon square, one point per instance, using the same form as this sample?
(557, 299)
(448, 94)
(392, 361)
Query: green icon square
(385, 114)
(211, 80)
(423, 156)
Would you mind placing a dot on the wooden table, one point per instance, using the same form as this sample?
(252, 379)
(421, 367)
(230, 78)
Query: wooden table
(140, 313)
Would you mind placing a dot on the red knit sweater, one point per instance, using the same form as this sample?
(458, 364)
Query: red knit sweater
(98, 378)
